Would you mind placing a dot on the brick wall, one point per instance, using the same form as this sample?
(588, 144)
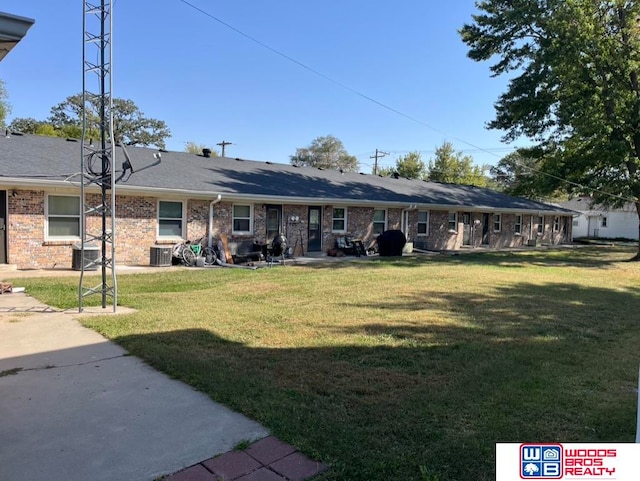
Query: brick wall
(25, 233)
(293, 230)
(27, 247)
(441, 238)
(359, 225)
(136, 229)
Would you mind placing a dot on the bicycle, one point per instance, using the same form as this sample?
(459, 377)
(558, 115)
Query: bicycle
(200, 249)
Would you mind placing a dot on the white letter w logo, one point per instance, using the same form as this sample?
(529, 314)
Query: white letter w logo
(531, 454)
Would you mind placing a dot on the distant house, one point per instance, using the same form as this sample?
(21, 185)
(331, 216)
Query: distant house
(189, 196)
(597, 221)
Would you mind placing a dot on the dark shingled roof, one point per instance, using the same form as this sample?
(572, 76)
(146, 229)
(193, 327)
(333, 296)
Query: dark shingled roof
(46, 160)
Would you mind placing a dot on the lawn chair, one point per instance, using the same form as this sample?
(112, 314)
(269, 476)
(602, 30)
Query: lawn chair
(350, 246)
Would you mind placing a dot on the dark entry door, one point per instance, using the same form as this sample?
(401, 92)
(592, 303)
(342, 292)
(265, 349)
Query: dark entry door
(466, 232)
(3, 226)
(274, 221)
(315, 229)
(485, 229)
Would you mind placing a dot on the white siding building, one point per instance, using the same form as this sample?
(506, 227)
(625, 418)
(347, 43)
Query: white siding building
(596, 221)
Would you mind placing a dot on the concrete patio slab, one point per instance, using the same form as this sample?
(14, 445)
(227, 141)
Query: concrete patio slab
(74, 406)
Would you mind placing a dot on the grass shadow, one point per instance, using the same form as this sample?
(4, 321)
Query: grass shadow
(402, 395)
(601, 257)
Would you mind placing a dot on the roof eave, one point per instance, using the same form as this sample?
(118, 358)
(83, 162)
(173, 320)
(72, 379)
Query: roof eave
(131, 189)
(12, 29)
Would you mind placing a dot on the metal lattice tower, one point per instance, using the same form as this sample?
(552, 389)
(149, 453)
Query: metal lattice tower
(98, 186)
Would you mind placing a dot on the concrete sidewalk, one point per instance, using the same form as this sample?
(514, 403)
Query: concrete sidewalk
(74, 406)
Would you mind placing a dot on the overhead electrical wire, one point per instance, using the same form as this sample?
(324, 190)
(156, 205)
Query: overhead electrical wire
(326, 77)
(381, 104)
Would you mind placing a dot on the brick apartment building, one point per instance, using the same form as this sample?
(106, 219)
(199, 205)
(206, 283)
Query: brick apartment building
(189, 196)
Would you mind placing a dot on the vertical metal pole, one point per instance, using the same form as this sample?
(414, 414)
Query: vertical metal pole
(111, 234)
(82, 157)
(105, 179)
(105, 160)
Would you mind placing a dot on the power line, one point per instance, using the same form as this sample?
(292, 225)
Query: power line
(491, 150)
(372, 100)
(326, 77)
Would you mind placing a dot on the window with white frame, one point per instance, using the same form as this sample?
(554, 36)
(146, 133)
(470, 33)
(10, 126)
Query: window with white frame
(540, 225)
(63, 217)
(497, 222)
(339, 219)
(170, 218)
(556, 224)
(453, 222)
(517, 226)
(423, 222)
(576, 222)
(242, 219)
(605, 222)
(379, 221)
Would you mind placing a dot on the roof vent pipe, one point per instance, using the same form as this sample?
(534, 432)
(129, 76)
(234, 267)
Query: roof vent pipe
(206, 153)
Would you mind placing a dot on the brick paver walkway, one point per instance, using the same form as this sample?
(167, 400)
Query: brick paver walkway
(266, 460)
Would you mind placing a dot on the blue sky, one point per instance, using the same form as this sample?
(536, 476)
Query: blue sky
(210, 83)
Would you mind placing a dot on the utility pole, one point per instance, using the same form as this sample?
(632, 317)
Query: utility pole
(379, 154)
(223, 144)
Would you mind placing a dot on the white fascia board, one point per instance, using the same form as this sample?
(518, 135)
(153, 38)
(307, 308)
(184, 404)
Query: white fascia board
(487, 209)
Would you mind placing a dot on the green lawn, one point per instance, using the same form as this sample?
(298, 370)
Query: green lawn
(399, 369)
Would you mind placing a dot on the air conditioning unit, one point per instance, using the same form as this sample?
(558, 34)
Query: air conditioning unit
(91, 256)
(161, 256)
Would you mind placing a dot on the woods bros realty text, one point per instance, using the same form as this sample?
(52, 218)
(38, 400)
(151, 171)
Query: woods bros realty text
(588, 462)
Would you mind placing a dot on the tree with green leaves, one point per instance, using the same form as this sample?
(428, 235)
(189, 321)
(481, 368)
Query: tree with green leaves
(130, 125)
(325, 153)
(5, 107)
(409, 166)
(384, 171)
(25, 125)
(519, 174)
(195, 148)
(576, 89)
(29, 125)
(455, 168)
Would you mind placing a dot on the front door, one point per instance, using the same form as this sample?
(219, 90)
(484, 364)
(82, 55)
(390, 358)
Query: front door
(315, 230)
(274, 221)
(485, 229)
(592, 226)
(466, 232)
(3, 226)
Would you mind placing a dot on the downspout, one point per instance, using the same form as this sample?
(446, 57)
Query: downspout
(210, 237)
(404, 223)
